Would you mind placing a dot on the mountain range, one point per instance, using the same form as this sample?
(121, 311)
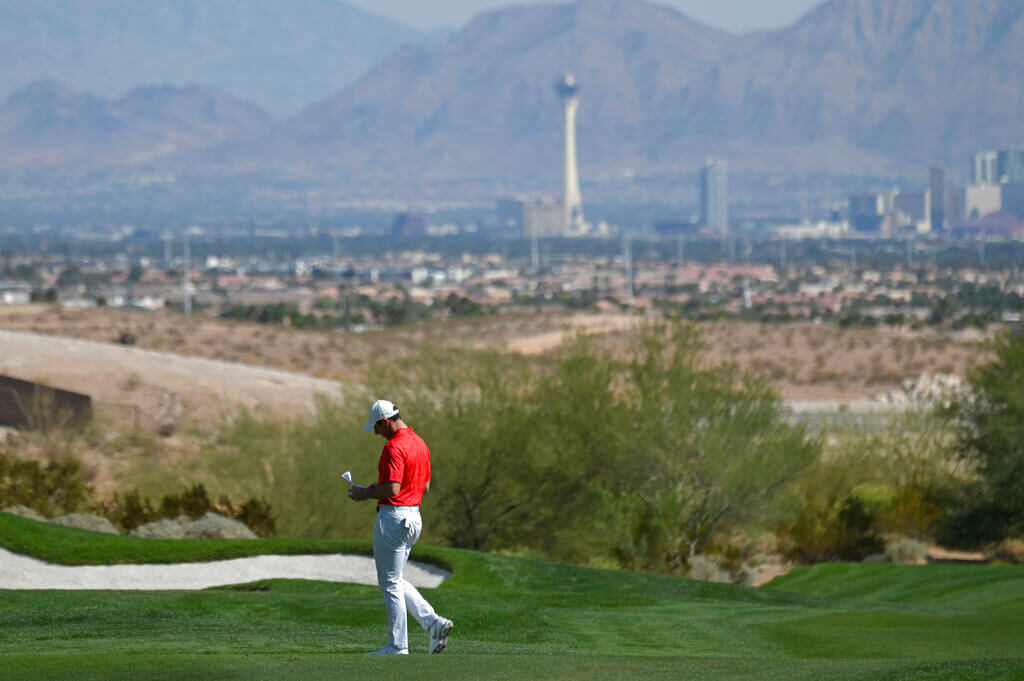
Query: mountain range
(281, 56)
(48, 126)
(854, 86)
(875, 87)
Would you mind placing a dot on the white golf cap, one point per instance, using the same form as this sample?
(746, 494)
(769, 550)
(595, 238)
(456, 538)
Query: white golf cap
(381, 409)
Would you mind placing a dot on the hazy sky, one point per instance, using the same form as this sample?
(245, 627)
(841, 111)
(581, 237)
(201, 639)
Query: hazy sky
(732, 15)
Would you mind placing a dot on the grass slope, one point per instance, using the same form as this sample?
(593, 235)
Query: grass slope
(515, 619)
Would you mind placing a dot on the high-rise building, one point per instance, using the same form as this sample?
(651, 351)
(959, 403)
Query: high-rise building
(714, 196)
(1011, 165)
(541, 219)
(866, 212)
(911, 210)
(954, 206)
(981, 200)
(408, 224)
(985, 169)
(937, 186)
(1013, 198)
(996, 167)
(572, 202)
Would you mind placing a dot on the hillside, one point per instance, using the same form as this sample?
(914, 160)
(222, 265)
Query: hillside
(802, 360)
(46, 125)
(876, 88)
(856, 85)
(281, 56)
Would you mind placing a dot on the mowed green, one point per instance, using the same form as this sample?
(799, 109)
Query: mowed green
(515, 619)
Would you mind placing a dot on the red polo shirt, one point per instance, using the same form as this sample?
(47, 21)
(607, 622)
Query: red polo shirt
(405, 460)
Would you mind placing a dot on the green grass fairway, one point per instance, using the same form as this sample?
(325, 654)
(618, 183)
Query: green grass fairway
(515, 619)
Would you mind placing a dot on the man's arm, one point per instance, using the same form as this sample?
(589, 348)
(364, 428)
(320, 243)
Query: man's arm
(382, 491)
(426, 487)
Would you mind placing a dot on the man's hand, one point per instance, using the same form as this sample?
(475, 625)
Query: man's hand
(358, 493)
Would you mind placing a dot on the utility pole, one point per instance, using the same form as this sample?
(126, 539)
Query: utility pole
(186, 281)
(534, 249)
(627, 261)
(167, 249)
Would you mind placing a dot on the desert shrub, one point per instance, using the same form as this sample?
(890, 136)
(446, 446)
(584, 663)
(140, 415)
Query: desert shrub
(845, 531)
(907, 552)
(665, 452)
(748, 574)
(258, 516)
(903, 475)
(130, 511)
(52, 489)
(193, 502)
(298, 466)
(706, 569)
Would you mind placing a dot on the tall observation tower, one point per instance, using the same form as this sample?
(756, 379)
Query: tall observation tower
(572, 203)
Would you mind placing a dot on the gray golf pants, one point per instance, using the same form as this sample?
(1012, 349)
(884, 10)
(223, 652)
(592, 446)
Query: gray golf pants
(396, 530)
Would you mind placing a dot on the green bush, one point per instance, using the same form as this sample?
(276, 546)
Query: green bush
(192, 502)
(580, 457)
(990, 436)
(901, 475)
(845, 531)
(132, 510)
(53, 489)
(258, 516)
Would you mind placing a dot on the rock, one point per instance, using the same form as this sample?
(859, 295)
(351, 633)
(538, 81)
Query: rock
(210, 526)
(215, 526)
(26, 512)
(165, 528)
(87, 521)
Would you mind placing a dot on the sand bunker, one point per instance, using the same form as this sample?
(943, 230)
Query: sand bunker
(22, 572)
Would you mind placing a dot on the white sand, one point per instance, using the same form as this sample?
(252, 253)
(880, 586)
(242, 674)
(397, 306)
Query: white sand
(22, 572)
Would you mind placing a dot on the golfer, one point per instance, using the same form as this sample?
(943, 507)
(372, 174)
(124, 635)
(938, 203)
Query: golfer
(403, 479)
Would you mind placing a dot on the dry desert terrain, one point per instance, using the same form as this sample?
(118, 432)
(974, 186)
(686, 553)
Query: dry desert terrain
(802, 360)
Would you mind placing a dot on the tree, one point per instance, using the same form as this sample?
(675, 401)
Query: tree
(524, 459)
(460, 306)
(477, 423)
(991, 435)
(590, 456)
(712, 446)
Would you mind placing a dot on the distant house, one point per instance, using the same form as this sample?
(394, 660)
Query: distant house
(15, 293)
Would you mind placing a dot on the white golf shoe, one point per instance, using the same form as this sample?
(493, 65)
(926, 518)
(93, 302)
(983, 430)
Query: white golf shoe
(439, 635)
(388, 650)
